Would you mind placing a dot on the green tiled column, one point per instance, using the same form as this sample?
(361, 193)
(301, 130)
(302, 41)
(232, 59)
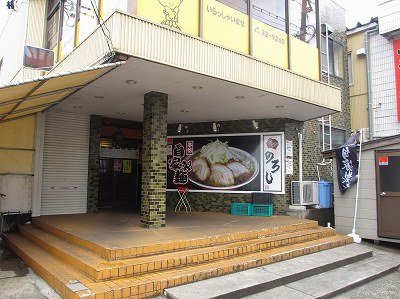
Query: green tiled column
(94, 167)
(154, 160)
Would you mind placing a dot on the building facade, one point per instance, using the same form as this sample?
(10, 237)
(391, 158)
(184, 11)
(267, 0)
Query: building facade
(374, 58)
(131, 81)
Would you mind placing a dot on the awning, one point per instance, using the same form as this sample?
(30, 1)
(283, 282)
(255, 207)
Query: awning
(28, 97)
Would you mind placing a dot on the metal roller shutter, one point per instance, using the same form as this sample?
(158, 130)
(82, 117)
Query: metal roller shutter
(65, 163)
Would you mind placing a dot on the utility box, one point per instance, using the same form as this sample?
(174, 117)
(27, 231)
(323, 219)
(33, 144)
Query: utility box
(304, 193)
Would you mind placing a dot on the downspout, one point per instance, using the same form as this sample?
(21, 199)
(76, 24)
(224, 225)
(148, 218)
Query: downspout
(367, 33)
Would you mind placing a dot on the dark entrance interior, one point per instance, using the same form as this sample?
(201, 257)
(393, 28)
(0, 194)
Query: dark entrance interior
(120, 164)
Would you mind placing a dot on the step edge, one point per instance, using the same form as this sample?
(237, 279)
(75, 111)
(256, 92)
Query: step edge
(59, 253)
(280, 281)
(123, 253)
(131, 269)
(360, 282)
(157, 282)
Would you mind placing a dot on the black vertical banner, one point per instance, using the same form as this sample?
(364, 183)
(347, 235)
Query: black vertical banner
(347, 163)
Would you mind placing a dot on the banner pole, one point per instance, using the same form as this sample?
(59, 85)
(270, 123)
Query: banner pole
(353, 234)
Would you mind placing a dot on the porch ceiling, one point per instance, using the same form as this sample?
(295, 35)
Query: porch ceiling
(192, 97)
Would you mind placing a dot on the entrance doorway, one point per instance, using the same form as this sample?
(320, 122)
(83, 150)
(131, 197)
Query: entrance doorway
(118, 187)
(387, 165)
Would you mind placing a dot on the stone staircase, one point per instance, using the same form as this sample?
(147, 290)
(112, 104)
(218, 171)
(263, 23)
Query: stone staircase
(80, 268)
(323, 274)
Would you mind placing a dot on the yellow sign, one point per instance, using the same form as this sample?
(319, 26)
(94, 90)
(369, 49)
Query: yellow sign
(179, 14)
(225, 26)
(127, 166)
(304, 58)
(270, 44)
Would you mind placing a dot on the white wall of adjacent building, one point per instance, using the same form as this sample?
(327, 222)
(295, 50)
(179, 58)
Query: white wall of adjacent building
(12, 41)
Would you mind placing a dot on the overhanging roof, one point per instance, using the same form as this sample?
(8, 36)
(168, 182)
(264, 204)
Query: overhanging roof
(204, 81)
(26, 98)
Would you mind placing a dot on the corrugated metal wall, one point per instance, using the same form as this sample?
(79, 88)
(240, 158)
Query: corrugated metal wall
(65, 163)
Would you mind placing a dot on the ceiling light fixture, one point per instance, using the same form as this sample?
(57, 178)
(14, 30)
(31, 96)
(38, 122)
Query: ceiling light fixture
(130, 82)
(255, 124)
(180, 126)
(216, 127)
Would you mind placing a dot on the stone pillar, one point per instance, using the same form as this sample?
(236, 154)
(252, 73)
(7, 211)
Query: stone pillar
(94, 166)
(154, 160)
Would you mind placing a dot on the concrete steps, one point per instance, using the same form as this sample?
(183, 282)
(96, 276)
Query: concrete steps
(99, 269)
(77, 269)
(319, 275)
(110, 253)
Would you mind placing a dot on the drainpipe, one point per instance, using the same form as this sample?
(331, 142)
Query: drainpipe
(300, 157)
(367, 33)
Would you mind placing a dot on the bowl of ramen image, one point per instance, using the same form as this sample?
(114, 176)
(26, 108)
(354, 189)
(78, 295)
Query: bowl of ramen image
(219, 166)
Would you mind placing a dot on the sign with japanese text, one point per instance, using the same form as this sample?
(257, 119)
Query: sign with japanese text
(384, 160)
(117, 165)
(221, 163)
(347, 163)
(225, 26)
(126, 166)
(273, 176)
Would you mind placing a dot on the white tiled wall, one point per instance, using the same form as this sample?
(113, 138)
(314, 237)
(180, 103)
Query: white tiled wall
(383, 87)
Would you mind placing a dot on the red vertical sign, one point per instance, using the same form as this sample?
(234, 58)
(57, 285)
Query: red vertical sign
(396, 56)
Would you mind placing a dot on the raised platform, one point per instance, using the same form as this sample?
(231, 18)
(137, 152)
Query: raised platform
(108, 255)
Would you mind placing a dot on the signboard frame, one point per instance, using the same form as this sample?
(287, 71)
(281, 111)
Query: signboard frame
(253, 143)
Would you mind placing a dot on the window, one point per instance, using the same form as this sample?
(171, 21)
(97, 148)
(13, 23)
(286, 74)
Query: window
(270, 12)
(350, 67)
(338, 137)
(87, 18)
(68, 27)
(335, 52)
(240, 5)
(303, 21)
(62, 19)
(52, 25)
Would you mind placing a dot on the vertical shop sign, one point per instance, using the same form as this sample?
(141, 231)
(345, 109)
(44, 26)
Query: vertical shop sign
(179, 165)
(127, 166)
(117, 165)
(396, 54)
(273, 178)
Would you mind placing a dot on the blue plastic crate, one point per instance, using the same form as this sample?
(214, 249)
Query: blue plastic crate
(262, 210)
(241, 209)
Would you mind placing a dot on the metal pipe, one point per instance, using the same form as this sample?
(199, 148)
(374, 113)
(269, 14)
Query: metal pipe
(367, 33)
(300, 157)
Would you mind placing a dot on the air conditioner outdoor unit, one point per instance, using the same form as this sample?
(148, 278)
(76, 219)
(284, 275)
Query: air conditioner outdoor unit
(305, 193)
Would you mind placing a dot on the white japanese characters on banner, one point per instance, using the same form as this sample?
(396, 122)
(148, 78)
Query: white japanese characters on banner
(273, 177)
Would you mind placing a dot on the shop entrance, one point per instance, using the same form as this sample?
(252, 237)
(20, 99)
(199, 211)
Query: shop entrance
(118, 185)
(388, 193)
(119, 165)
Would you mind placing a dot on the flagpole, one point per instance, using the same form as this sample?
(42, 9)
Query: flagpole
(356, 238)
